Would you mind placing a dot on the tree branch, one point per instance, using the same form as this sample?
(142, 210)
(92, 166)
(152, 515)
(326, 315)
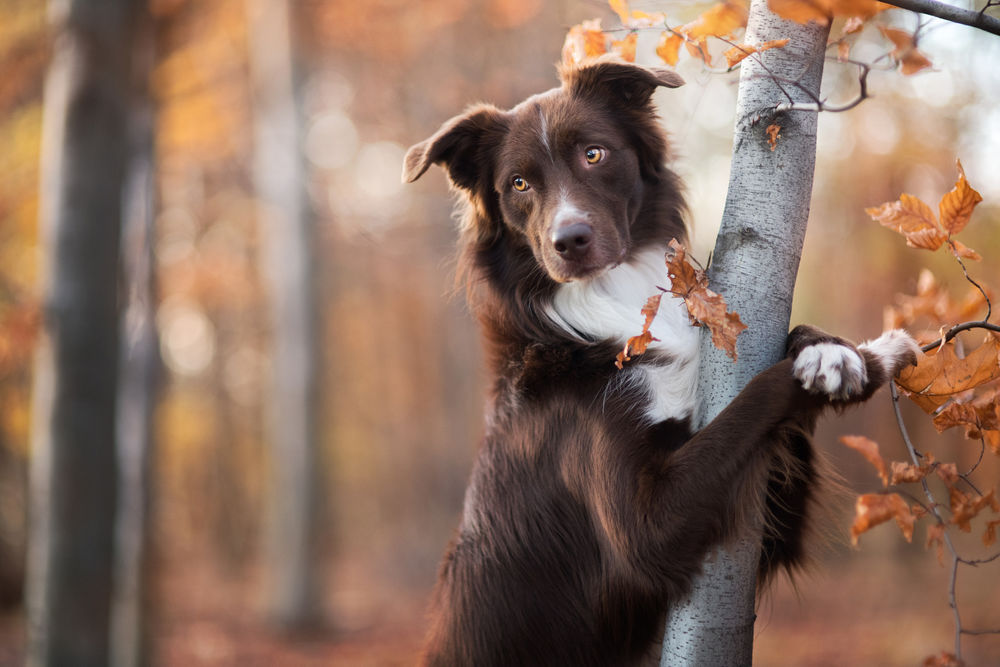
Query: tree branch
(968, 17)
(959, 328)
(934, 508)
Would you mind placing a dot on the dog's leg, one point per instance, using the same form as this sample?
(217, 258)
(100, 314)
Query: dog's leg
(697, 497)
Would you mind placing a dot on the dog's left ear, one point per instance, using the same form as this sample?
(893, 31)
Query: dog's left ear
(616, 79)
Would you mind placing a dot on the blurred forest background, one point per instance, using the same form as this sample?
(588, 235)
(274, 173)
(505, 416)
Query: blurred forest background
(277, 225)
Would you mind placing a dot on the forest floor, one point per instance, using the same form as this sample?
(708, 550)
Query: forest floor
(839, 615)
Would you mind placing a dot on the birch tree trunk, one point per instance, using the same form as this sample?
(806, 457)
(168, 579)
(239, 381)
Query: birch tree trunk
(74, 470)
(139, 378)
(287, 226)
(754, 265)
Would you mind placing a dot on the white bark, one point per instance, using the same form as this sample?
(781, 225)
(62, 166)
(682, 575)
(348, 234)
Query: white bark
(288, 235)
(754, 266)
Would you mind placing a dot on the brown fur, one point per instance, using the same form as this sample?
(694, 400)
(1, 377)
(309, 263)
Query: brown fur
(583, 521)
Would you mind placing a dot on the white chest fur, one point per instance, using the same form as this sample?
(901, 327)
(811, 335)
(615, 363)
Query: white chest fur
(608, 307)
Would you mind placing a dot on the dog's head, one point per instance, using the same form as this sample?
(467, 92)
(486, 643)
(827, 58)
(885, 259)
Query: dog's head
(565, 171)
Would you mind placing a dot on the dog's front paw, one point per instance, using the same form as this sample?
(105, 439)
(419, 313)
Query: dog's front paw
(833, 369)
(892, 351)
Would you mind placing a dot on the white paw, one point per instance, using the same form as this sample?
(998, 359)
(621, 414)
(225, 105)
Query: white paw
(894, 350)
(832, 369)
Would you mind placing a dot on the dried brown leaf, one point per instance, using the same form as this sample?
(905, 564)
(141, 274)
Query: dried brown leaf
(736, 54)
(669, 47)
(823, 11)
(638, 344)
(773, 134)
(940, 373)
(626, 47)
(871, 509)
(942, 659)
(620, 7)
(705, 307)
(948, 472)
(935, 536)
(869, 449)
(905, 52)
(720, 20)
(990, 534)
(957, 205)
(962, 251)
(965, 508)
(906, 473)
(585, 40)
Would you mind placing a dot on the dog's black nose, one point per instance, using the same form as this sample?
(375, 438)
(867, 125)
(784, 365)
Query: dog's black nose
(572, 241)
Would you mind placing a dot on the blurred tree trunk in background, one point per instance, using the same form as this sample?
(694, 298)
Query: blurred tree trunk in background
(139, 377)
(288, 236)
(74, 469)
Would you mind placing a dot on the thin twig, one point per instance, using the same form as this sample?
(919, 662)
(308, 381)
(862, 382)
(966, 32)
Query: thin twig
(981, 561)
(934, 507)
(982, 451)
(959, 328)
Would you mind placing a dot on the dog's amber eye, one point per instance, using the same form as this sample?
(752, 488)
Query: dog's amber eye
(519, 184)
(594, 154)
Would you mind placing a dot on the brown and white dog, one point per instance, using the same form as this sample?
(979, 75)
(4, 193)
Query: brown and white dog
(592, 503)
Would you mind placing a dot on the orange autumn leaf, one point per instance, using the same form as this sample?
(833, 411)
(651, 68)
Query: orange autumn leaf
(940, 373)
(962, 251)
(869, 449)
(948, 472)
(957, 205)
(620, 7)
(801, 11)
(942, 659)
(965, 508)
(583, 41)
(626, 47)
(773, 134)
(720, 20)
(933, 303)
(979, 416)
(909, 215)
(843, 52)
(736, 54)
(935, 536)
(638, 344)
(906, 473)
(634, 18)
(705, 307)
(871, 509)
(823, 11)
(905, 52)
(669, 47)
(915, 220)
(699, 49)
(990, 535)
(853, 25)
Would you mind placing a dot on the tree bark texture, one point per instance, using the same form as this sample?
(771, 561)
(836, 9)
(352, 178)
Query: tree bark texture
(139, 374)
(754, 265)
(288, 236)
(74, 469)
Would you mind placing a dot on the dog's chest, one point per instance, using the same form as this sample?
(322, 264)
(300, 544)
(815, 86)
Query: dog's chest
(609, 307)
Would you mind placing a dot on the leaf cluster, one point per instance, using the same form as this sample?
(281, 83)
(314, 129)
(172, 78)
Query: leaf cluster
(955, 382)
(705, 307)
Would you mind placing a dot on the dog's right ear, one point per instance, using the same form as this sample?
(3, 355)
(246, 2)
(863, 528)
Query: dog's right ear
(459, 146)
